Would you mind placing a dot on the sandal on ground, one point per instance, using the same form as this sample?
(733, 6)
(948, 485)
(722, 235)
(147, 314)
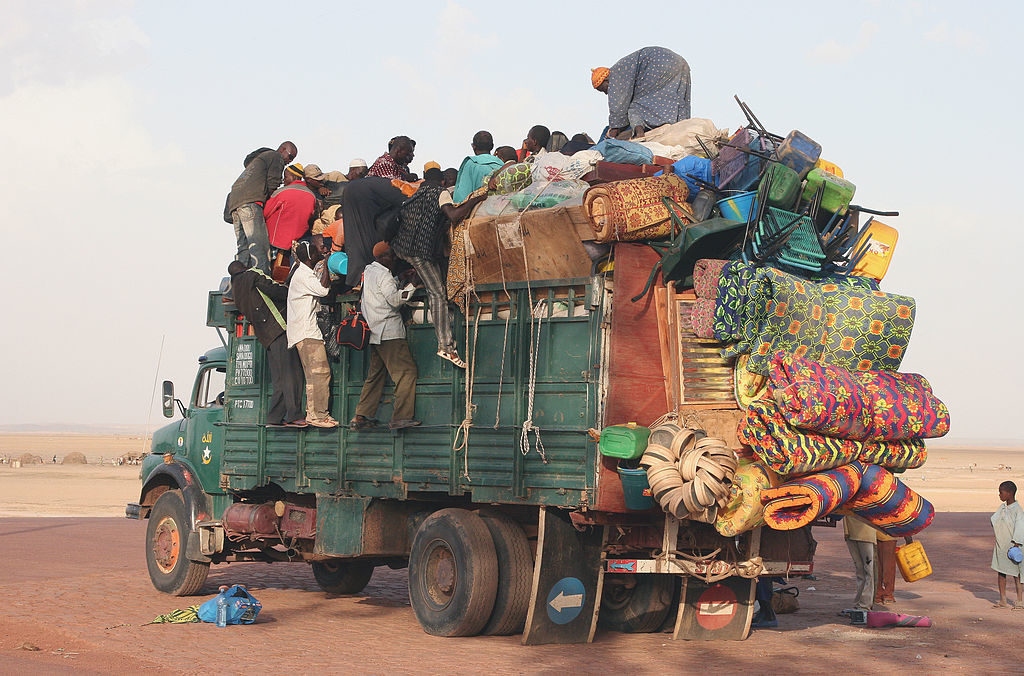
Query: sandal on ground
(1017, 606)
(1000, 605)
(453, 357)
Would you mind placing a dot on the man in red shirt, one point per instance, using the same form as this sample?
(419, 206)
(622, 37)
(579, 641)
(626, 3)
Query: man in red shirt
(395, 162)
(290, 209)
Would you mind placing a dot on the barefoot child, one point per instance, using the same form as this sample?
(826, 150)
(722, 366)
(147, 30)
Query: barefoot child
(1008, 524)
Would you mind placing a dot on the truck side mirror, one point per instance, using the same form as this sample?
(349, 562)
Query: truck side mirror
(167, 399)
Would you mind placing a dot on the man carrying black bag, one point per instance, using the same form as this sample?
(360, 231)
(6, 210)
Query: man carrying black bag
(262, 301)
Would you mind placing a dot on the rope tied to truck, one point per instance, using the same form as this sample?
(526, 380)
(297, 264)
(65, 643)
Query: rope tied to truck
(528, 426)
(708, 569)
(461, 440)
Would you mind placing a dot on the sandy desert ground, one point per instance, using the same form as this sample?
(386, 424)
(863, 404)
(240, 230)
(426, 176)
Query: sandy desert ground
(104, 598)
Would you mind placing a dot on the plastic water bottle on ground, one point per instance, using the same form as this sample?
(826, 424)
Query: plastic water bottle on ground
(222, 608)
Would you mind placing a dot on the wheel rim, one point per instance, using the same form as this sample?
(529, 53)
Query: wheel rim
(441, 574)
(166, 545)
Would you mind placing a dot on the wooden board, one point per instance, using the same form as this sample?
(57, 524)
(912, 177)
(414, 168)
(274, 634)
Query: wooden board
(551, 238)
(567, 580)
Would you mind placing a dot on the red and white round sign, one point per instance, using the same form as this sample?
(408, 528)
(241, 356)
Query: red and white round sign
(716, 607)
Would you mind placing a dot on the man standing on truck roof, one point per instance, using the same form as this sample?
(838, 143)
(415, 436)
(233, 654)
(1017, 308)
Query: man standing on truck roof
(645, 89)
(389, 350)
(310, 282)
(250, 191)
(423, 221)
(290, 209)
(357, 169)
(262, 301)
(476, 167)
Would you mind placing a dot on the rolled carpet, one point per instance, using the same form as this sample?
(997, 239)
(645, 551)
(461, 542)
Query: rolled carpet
(889, 505)
(862, 405)
(744, 511)
(631, 210)
(787, 450)
(882, 618)
(798, 503)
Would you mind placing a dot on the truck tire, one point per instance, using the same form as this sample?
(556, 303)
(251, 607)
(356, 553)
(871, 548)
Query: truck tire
(635, 604)
(515, 575)
(166, 536)
(338, 576)
(453, 573)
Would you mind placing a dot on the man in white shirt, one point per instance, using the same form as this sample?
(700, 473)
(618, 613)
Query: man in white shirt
(389, 350)
(310, 282)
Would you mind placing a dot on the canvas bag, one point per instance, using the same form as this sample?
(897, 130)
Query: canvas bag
(242, 606)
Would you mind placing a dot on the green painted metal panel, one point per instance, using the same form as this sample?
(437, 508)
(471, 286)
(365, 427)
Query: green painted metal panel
(384, 464)
(339, 525)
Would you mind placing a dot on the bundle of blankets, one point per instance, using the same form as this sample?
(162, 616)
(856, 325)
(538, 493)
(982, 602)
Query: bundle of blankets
(838, 435)
(841, 320)
(633, 209)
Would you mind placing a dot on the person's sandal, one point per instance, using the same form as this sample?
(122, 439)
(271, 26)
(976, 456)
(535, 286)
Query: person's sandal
(453, 357)
(361, 423)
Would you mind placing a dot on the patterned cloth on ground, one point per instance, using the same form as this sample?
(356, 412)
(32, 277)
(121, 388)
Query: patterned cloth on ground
(744, 511)
(865, 405)
(632, 210)
(799, 503)
(788, 450)
(180, 616)
(889, 505)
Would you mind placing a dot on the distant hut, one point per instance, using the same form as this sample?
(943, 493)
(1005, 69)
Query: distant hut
(74, 458)
(30, 459)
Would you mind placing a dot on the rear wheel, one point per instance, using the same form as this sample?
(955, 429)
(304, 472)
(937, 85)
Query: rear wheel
(635, 604)
(453, 573)
(338, 576)
(515, 575)
(166, 535)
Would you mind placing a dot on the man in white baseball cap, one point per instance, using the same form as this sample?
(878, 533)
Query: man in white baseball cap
(357, 169)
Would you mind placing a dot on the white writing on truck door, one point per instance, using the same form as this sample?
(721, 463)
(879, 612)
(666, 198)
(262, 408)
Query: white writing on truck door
(244, 365)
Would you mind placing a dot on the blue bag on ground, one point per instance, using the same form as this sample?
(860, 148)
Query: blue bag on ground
(242, 606)
(624, 152)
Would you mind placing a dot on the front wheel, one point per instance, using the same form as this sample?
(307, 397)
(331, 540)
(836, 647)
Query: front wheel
(166, 534)
(338, 576)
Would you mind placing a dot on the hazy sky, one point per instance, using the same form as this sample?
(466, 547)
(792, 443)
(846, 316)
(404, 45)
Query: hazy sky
(126, 123)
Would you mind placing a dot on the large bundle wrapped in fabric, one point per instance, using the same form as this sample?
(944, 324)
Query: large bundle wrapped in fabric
(865, 405)
(799, 503)
(788, 450)
(632, 210)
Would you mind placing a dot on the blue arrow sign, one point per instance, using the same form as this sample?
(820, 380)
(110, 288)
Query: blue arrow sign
(565, 600)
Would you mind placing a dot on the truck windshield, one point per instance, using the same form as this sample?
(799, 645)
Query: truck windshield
(210, 390)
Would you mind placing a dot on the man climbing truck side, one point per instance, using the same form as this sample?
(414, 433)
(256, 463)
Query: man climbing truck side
(500, 513)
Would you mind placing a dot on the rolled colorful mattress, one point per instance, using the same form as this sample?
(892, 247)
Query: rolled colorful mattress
(787, 450)
(864, 405)
(744, 510)
(799, 503)
(631, 210)
(889, 505)
(844, 321)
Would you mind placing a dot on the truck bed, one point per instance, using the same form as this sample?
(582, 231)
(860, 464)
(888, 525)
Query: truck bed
(490, 468)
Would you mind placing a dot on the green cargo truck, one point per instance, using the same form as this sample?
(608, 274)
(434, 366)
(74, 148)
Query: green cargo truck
(500, 505)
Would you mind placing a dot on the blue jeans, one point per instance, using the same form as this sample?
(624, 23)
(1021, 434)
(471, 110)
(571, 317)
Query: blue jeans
(251, 235)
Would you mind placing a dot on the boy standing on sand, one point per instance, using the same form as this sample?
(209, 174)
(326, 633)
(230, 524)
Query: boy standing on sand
(1008, 524)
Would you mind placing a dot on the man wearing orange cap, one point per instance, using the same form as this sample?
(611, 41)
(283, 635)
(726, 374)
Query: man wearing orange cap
(645, 89)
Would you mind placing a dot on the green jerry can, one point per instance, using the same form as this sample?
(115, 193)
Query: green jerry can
(627, 442)
(838, 191)
(784, 186)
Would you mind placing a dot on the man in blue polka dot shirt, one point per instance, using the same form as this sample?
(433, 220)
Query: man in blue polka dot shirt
(645, 89)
